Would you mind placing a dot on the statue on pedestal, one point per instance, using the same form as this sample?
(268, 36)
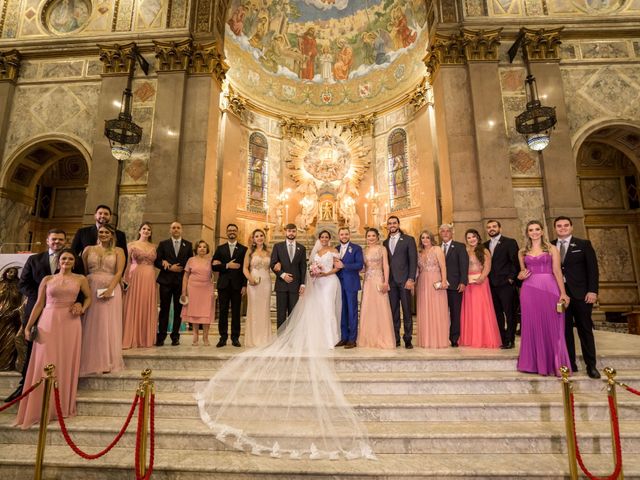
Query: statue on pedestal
(347, 195)
(309, 205)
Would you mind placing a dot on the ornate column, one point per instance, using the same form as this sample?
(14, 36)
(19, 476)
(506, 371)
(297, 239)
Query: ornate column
(9, 70)
(455, 132)
(494, 180)
(558, 166)
(103, 176)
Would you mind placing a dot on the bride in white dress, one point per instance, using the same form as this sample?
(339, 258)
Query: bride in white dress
(284, 399)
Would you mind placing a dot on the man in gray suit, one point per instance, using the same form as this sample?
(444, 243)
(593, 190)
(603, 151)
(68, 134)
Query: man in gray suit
(289, 263)
(403, 263)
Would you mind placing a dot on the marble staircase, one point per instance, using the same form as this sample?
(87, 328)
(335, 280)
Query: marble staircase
(452, 413)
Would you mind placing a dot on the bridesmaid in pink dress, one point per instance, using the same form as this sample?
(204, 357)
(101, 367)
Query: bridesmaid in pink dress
(258, 329)
(478, 326)
(197, 293)
(58, 341)
(102, 324)
(140, 304)
(431, 295)
(376, 323)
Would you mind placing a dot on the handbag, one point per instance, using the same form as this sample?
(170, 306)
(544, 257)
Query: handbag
(33, 332)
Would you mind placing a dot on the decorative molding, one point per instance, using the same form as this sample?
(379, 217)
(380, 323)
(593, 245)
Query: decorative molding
(10, 65)
(203, 16)
(292, 127)
(133, 189)
(233, 102)
(445, 50)
(481, 45)
(362, 125)
(174, 55)
(208, 59)
(527, 182)
(542, 44)
(422, 95)
(117, 59)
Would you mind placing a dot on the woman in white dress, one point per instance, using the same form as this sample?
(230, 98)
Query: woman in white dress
(283, 398)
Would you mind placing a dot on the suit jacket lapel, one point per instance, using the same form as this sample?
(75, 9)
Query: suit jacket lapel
(45, 263)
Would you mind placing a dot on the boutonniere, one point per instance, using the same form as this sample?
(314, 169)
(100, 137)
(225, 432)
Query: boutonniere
(451, 246)
(350, 250)
(572, 244)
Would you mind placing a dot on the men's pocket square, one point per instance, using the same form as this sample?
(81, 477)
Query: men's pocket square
(575, 251)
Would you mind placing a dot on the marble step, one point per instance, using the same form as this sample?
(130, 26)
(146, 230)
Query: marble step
(16, 462)
(394, 383)
(389, 437)
(394, 408)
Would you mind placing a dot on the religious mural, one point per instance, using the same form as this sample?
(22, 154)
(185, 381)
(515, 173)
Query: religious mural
(324, 52)
(398, 170)
(67, 16)
(257, 181)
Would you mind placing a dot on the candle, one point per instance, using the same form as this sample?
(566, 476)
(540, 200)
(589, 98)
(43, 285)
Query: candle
(366, 213)
(286, 214)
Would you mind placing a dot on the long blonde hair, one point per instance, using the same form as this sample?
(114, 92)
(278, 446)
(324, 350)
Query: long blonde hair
(112, 231)
(528, 244)
(431, 239)
(252, 244)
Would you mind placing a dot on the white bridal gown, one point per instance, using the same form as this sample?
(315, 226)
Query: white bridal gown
(284, 399)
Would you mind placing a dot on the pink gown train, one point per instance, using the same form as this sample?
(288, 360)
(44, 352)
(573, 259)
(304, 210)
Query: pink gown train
(376, 323)
(432, 308)
(140, 304)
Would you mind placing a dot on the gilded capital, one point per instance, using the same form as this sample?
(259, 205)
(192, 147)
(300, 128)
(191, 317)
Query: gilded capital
(481, 45)
(445, 50)
(542, 44)
(207, 59)
(233, 102)
(117, 58)
(422, 95)
(9, 65)
(174, 55)
(293, 127)
(361, 125)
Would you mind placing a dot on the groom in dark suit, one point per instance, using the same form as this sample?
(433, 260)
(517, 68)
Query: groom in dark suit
(171, 258)
(350, 263)
(457, 261)
(35, 269)
(289, 263)
(502, 280)
(232, 284)
(580, 272)
(87, 236)
(403, 264)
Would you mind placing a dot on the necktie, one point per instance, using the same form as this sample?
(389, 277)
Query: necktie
(343, 250)
(392, 244)
(291, 250)
(445, 248)
(492, 246)
(53, 262)
(176, 246)
(563, 250)
(232, 248)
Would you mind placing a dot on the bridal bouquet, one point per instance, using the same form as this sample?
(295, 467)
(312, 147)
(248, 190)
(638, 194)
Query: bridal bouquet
(315, 269)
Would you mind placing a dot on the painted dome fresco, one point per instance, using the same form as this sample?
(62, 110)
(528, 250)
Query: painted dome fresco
(325, 57)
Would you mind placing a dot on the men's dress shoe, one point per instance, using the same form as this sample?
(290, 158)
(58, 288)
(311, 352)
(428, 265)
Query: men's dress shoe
(408, 345)
(235, 343)
(507, 346)
(454, 344)
(16, 393)
(341, 343)
(175, 342)
(574, 367)
(159, 343)
(398, 343)
(593, 372)
(350, 345)
(221, 343)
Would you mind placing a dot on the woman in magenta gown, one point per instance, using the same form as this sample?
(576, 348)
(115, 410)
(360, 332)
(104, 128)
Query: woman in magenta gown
(542, 346)
(478, 326)
(58, 339)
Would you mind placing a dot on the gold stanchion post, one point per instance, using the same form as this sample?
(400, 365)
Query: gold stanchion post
(611, 391)
(145, 388)
(49, 379)
(568, 423)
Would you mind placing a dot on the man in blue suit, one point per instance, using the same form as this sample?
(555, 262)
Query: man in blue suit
(350, 264)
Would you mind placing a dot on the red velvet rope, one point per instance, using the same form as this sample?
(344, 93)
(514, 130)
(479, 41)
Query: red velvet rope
(152, 435)
(70, 442)
(24, 394)
(629, 389)
(616, 437)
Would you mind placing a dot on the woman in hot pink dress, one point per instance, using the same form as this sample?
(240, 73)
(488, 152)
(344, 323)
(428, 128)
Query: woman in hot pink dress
(376, 323)
(140, 304)
(256, 268)
(102, 323)
(478, 326)
(197, 293)
(431, 295)
(58, 340)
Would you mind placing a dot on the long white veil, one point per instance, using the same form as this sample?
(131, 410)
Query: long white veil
(284, 398)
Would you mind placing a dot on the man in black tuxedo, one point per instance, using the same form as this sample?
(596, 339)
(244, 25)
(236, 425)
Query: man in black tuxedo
(502, 280)
(580, 272)
(89, 235)
(457, 260)
(171, 258)
(35, 269)
(228, 260)
(403, 263)
(289, 263)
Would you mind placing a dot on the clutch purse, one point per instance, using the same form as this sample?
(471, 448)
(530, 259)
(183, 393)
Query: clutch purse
(257, 281)
(184, 300)
(473, 277)
(437, 285)
(560, 307)
(34, 332)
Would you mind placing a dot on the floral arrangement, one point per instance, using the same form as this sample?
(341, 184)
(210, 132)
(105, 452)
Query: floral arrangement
(315, 269)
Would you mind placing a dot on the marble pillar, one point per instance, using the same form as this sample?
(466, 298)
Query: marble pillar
(427, 168)
(7, 90)
(231, 185)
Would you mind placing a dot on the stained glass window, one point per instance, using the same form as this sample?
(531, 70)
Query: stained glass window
(257, 173)
(398, 170)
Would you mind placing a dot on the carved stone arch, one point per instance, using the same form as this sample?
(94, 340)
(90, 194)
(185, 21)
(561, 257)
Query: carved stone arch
(622, 134)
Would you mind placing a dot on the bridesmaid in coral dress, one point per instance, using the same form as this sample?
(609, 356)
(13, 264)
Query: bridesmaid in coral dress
(140, 304)
(431, 295)
(102, 324)
(58, 340)
(258, 330)
(376, 322)
(542, 346)
(197, 293)
(478, 326)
